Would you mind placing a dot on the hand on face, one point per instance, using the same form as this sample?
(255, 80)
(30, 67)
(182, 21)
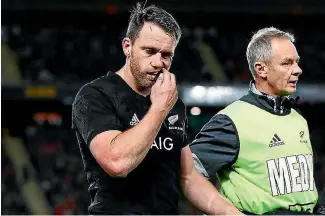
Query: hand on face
(164, 92)
(150, 53)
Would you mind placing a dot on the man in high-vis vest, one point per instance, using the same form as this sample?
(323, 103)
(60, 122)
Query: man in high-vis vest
(258, 147)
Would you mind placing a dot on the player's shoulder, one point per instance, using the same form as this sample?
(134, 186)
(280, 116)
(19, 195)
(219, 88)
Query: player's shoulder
(101, 86)
(180, 105)
(179, 110)
(297, 114)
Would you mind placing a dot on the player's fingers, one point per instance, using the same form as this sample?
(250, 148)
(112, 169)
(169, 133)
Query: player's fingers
(166, 74)
(173, 95)
(159, 80)
(173, 80)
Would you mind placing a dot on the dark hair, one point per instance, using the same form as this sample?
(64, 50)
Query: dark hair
(153, 15)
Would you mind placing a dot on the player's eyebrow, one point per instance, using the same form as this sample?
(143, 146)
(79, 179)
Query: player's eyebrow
(157, 50)
(291, 59)
(298, 59)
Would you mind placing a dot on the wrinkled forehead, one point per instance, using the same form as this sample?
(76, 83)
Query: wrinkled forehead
(283, 48)
(154, 36)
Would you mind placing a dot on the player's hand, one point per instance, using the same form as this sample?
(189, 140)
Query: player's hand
(164, 92)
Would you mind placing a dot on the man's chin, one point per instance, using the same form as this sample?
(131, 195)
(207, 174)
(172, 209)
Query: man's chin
(148, 84)
(288, 91)
(151, 82)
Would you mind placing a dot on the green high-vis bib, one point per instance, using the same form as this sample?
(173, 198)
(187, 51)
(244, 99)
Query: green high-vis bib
(274, 168)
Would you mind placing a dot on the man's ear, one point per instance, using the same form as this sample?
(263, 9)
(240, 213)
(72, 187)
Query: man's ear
(261, 69)
(127, 46)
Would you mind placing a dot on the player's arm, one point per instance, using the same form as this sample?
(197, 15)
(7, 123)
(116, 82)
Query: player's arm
(200, 192)
(216, 146)
(119, 152)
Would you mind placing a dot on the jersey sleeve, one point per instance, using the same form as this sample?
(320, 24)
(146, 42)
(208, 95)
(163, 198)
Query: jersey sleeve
(215, 146)
(186, 140)
(93, 113)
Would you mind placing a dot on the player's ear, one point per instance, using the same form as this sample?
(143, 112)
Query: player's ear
(261, 69)
(127, 46)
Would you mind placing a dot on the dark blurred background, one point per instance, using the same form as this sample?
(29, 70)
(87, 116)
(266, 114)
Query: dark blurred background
(49, 49)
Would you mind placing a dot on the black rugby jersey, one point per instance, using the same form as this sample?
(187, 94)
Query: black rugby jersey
(109, 103)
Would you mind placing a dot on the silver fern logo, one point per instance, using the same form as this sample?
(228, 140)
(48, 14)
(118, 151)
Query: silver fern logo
(173, 119)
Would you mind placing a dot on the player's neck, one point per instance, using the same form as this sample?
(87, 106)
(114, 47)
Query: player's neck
(127, 76)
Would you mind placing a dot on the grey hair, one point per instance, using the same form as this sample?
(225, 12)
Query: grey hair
(259, 48)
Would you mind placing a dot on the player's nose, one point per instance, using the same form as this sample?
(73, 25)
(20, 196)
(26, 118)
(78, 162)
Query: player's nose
(157, 61)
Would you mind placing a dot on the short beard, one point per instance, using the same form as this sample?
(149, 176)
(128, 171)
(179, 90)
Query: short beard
(140, 78)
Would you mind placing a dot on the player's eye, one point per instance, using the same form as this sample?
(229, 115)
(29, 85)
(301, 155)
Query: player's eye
(287, 63)
(149, 51)
(166, 56)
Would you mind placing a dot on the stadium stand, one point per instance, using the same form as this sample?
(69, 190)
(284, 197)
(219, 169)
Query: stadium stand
(73, 50)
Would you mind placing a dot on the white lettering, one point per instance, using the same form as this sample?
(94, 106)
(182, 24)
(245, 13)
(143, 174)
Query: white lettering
(304, 172)
(311, 172)
(279, 180)
(291, 174)
(166, 144)
(176, 128)
(154, 144)
(170, 144)
(294, 171)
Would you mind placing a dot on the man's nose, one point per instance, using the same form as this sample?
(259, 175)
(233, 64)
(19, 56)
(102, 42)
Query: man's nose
(157, 61)
(297, 71)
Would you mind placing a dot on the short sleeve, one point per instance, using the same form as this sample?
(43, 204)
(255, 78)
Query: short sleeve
(186, 139)
(93, 113)
(216, 145)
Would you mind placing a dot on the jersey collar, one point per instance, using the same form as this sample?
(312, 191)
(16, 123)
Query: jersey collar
(278, 104)
(120, 81)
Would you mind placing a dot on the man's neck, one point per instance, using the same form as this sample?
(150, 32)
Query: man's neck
(264, 87)
(127, 76)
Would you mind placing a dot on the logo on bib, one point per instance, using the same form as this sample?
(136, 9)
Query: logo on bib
(276, 141)
(291, 174)
(302, 137)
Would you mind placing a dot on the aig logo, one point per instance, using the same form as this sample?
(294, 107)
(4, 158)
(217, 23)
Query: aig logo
(163, 143)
